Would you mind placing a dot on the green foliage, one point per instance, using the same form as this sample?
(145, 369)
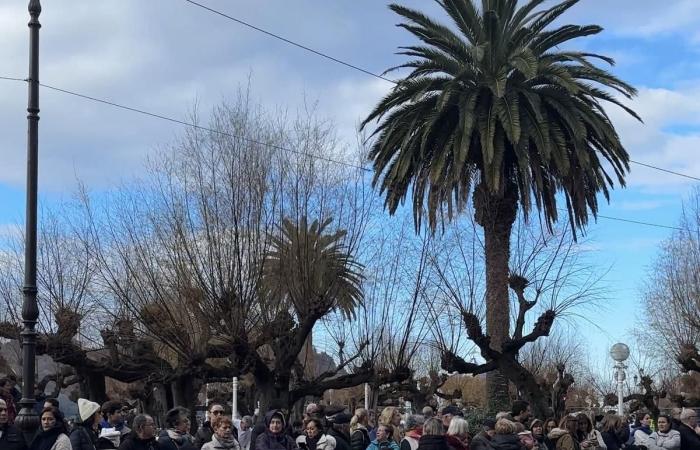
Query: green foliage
(310, 268)
(494, 100)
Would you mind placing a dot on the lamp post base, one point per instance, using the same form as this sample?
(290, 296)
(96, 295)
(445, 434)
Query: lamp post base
(27, 420)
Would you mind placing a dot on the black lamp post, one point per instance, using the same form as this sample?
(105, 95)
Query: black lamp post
(27, 420)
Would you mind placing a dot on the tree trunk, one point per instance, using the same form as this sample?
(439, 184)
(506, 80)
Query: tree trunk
(92, 386)
(527, 384)
(185, 392)
(496, 213)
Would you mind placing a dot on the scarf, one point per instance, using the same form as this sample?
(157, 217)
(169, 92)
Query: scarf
(46, 439)
(244, 438)
(223, 443)
(312, 442)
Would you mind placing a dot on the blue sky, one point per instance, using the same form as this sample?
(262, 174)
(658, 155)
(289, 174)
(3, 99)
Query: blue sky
(162, 55)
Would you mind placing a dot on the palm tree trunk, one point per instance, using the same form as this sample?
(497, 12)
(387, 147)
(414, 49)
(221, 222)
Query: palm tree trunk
(496, 214)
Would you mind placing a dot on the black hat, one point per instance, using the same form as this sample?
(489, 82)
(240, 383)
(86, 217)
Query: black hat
(489, 424)
(452, 410)
(339, 418)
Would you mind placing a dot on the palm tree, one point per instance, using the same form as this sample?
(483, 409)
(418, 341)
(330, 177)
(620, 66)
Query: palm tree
(494, 108)
(310, 268)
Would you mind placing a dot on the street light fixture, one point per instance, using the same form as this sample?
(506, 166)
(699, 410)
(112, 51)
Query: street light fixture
(27, 420)
(619, 353)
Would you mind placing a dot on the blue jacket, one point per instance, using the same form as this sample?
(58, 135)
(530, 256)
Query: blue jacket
(388, 445)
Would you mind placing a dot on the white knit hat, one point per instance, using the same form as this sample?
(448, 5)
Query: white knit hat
(87, 409)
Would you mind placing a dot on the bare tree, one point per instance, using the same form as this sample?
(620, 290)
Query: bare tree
(548, 277)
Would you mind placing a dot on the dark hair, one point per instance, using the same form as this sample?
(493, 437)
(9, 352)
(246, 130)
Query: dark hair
(60, 424)
(140, 421)
(175, 416)
(53, 402)
(4, 381)
(318, 422)
(589, 424)
(518, 407)
(110, 407)
(665, 416)
(638, 419)
(213, 404)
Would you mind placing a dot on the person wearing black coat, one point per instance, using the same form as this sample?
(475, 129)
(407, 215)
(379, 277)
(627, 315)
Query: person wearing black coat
(84, 434)
(176, 436)
(274, 436)
(10, 437)
(205, 432)
(142, 436)
(505, 437)
(433, 437)
(336, 424)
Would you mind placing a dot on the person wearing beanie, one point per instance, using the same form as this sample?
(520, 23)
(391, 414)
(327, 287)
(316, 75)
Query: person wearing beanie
(10, 436)
(274, 437)
(338, 427)
(143, 435)
(84, 435)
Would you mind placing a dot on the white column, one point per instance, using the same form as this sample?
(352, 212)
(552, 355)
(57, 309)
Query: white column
(234, 402)
(620, 376)
(206, 402)
(367, 396)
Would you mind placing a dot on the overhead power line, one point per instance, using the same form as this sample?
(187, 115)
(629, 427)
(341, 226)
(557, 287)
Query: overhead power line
(199, 127)
(286, 149)
(365, 71)
(289, 41)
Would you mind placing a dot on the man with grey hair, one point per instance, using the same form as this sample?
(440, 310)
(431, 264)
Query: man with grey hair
(10, 437)
(246, 431)
(142, 436)
(428, 412)
(688, 428)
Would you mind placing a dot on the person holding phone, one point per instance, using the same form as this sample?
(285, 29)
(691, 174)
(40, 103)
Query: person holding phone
(314, 438)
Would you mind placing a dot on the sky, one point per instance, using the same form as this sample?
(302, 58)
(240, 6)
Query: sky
(166, 55)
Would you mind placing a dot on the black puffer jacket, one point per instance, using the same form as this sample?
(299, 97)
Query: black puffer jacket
(132, 442)
(432, 442)
(12, 439)
(83, 438)
(507, 442)
(359, 439)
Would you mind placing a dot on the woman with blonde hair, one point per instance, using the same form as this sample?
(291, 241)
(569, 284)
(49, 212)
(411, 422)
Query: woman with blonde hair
(458, 434)
(391, 416)
(359, 435)
(505, 437)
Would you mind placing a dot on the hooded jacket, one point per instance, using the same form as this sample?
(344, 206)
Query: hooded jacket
(563, 440)
(275, 441)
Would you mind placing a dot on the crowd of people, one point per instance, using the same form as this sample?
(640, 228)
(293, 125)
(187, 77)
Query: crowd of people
(332, 428)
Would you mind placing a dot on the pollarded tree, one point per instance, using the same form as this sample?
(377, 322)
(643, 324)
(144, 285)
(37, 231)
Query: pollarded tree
(495, 109)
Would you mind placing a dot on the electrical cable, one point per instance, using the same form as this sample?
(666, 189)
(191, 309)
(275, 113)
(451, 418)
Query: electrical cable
(211, 130)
